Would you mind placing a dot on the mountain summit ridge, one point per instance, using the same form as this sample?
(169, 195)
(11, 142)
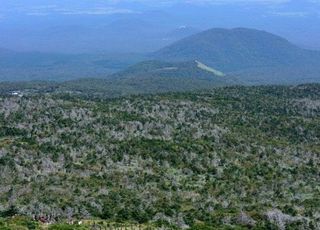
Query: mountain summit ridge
(236, 49)
(254, 56)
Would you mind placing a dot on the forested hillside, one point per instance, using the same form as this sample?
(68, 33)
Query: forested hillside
(255, 56)
(30, 66)
(237, 49)
(229, 158)
(148, 77)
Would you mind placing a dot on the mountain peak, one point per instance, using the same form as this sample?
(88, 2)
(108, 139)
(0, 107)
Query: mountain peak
(233, 49)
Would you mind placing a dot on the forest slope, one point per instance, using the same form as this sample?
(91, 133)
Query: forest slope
(231, 157)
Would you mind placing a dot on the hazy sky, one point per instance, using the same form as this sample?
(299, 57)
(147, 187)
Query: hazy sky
(28, 24)
(44, 7)
(11, 9)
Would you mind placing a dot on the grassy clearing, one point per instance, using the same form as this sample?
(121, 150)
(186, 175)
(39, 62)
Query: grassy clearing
(209, 69)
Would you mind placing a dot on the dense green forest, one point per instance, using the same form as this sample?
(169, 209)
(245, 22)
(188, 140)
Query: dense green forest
(228, 158)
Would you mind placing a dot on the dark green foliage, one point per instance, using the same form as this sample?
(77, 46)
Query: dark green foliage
(11, 131)
(11, 211)
(22, 223)
(64, 227)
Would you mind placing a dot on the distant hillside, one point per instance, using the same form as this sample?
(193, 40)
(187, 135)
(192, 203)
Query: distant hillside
(146, 77)
(25, 66)
(154, 77)
(211, 58)
(153, 69)
(244, 49)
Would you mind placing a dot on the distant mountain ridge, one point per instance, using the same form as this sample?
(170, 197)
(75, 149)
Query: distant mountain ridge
(182, 32)
(241, 49)
(240, 55)
(30, 66)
